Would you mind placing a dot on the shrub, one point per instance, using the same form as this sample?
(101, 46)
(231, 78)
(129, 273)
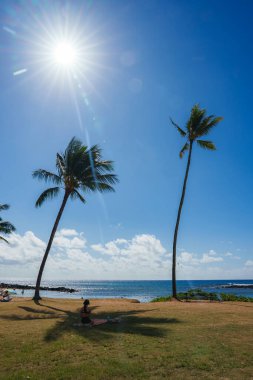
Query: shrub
(162, 299)
(233, 297)
(198, 294)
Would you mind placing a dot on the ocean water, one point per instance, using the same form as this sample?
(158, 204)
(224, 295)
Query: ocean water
(144, 291)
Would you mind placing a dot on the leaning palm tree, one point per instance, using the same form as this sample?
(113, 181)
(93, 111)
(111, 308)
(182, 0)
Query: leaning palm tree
(5, 227)
(198, 125)
(78, 169)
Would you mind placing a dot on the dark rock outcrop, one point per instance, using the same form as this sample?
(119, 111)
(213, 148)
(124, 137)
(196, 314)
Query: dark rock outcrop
(29, 287)
(241, 286)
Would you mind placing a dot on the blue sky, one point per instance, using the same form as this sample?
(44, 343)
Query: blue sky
(150, 60)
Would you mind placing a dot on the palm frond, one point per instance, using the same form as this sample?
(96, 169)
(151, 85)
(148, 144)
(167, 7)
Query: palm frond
(4, 207)
(98, 168)
(72, 154)
(206, 144)
(47, 176)
(102, 187)
(197, 115)
(207, 124)
(6, 227)
(75, 194)
(180, 130)
(74, 159)
(110, 179)
(60, 164)
(2, 238)
(73, 146)
(184, 149)
(47, 194)
(92, 169)
(90, 183)
(104, 166)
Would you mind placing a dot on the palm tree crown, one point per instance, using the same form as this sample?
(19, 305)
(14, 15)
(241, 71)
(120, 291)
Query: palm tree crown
(5, 227)
(79, 168)
(198, 125)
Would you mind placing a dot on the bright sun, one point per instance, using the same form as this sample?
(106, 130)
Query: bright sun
(65, 54)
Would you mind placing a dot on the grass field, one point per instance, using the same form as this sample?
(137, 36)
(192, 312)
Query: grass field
(174, 340)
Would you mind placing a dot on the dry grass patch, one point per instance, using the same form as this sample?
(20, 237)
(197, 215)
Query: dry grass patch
(153, 341)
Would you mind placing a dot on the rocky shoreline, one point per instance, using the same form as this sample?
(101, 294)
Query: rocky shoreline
(29, 287)
(246, 286)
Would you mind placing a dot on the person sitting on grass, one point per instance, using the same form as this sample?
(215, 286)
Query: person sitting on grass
(85, 313)
(86, 320)
(85, 316)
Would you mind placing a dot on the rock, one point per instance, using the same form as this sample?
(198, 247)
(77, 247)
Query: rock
(28, 287)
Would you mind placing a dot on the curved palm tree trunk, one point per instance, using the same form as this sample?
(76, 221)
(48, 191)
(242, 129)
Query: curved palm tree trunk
(42, 265)
(174, 285)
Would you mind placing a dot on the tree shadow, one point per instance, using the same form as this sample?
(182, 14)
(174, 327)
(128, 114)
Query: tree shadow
(34, 314)
(35, 311)
(131, 322)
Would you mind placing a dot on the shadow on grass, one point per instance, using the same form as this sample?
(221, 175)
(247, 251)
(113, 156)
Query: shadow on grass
(34, 314)
(131, 322)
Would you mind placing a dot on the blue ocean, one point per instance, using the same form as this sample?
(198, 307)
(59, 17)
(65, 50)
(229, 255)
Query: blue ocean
(144, 291)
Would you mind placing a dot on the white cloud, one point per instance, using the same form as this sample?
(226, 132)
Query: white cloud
(142, 257)
(193, 259)
(22, 249)
(141, 246)
(111, 248)
(232, 256)
(188, 258)
(209, 258)
(64, 242)
(67, 232)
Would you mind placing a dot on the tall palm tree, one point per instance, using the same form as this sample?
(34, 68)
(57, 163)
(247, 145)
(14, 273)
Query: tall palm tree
(198, 125)
(78, 169)
(5, 227)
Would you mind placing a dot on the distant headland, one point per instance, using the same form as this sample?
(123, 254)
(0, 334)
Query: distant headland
(248, 286)
(29, 287)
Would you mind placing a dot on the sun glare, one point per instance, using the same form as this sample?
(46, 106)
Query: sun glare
(65, 54)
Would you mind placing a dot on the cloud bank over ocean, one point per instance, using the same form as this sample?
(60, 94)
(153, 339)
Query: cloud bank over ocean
(141, 258)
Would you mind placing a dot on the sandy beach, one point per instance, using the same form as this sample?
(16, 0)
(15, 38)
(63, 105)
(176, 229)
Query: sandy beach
(203, 340)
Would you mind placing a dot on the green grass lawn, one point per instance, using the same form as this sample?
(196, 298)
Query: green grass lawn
(174, 340)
